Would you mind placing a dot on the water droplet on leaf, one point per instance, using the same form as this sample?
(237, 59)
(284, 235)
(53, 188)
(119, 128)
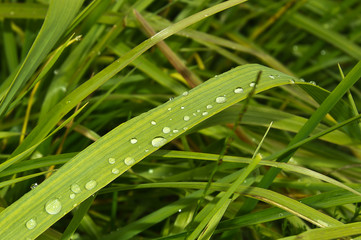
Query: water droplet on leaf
(90, 185)
(53, 206)
(158, 141)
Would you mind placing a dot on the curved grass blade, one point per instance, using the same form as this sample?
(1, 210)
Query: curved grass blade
(128, 144)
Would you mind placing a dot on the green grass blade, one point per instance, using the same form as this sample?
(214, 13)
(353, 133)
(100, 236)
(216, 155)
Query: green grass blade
(123, 143)
(60, 15)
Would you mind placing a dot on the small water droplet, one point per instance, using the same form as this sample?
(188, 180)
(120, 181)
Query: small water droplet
(238, 90)
(252, 84)
(171, 98)
(34, 185)
(271, 77)
(292, 81)
(194, 114)
(150, 171)
(185, 93)
(185, 128)
(72, 196)
(133, 141)
(67, 102)
(179, 210)
(209, 106)
(302, 79)
(115, 171)
(182, 107)
(111, 160)
(198, 111)
(313, 83)
(175, 131)
(169, 109)
(221, 100)
(146, 150)
(323, 52)
(166, 130)
(75, 188)
(90, 185)
(186, 118)
(31, 224)
(158, 141)
(129, 161)
(205, 113)
(53, 206)
(153, 122)
(56, 72)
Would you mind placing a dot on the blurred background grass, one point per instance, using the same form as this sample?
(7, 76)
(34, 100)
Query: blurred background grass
(305, 39)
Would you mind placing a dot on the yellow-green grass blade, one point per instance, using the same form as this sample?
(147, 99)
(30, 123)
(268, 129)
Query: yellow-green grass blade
(128, 144)
(337, 232)
(59, 16)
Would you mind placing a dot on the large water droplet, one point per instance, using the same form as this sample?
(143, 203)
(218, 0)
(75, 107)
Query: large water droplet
(53, 206)
(115, 171)
(133, 141)
(75, 188)
(129, 161)
(238, 90)
(209, 106)
(158, 141)
(31, 224)
(186, 118)
(221, 100)
(111, 160)
(90, 185)
(166, 130)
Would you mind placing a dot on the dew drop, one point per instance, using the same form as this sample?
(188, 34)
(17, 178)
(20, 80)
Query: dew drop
(53, 206)
(205, 113)
(169, 109)
(75, 188)
(186, 118)
(194, 114)
(67, 102)
(146, 150)
(115, 171)
(185, 93)
(31, 224)
(323, 52)
(198, 111)
(56, 72)
(302, 80)
(179, 210)
(313, 83)
(34, 185)
(182, 107)
(133, 141)
(221, 100)
(166, 130)
(185, 128)
(111, 160)
(175, 131)
(292, 81)
(209, 106)
(252, 84)
(158, 141)
(153, 122)
(271, 77)
(150, 171)
(238, 90)
(90, 185)
(72, 196)
(171, 98)
(129, 161)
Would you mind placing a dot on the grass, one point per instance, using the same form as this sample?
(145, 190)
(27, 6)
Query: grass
(242, 124)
